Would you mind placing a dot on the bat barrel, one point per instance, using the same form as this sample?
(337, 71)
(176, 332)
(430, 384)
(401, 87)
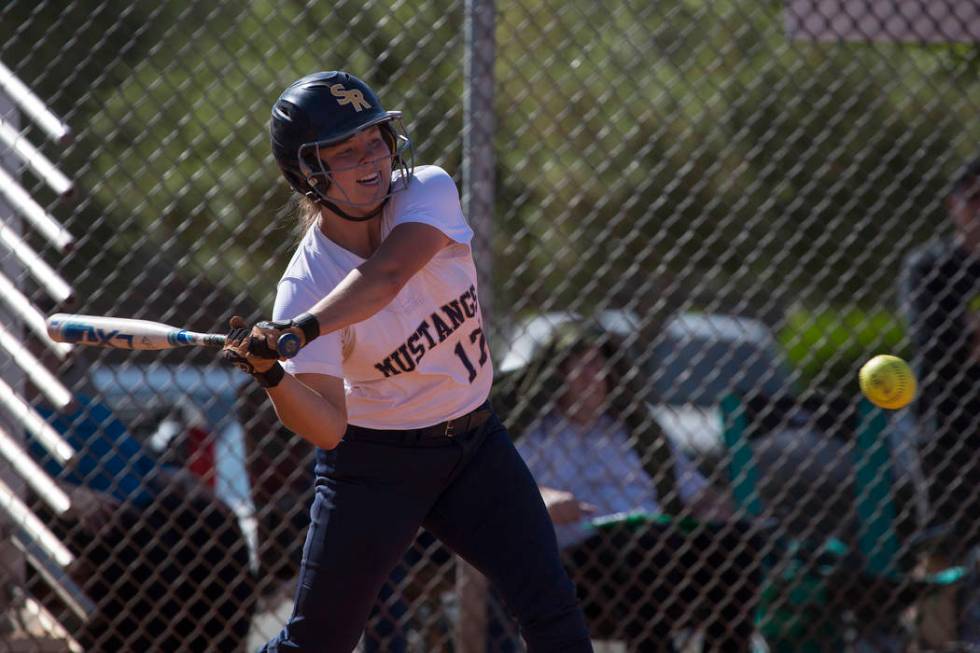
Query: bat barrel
(125, 333)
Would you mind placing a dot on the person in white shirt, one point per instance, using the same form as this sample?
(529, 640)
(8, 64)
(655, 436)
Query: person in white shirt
(392, 381)
(596, 451)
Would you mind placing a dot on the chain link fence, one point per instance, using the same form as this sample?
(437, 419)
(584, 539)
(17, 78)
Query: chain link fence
(695, 219)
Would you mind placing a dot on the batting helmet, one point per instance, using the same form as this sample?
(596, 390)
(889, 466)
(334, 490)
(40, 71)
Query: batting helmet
(323, 109)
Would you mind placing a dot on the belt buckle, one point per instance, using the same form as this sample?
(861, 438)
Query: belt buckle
(450, 428)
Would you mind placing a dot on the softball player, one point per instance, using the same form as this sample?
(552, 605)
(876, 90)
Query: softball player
(393, 379)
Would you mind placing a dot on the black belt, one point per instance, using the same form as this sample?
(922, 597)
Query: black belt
(448, 429)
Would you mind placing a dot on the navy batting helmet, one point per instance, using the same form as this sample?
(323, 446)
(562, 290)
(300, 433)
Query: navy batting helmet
(323, 109)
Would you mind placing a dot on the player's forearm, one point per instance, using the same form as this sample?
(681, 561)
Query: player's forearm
(307, 413)
(362, 293)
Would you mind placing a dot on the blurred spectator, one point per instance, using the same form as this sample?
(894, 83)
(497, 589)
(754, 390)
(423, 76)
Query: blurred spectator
(598, 451)
(941, 295)
(164, 560)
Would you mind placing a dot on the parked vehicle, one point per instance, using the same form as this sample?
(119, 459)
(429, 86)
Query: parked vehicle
(186, 415)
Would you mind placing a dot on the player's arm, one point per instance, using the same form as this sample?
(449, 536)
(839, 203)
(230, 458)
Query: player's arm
(564, 507)
(372, 285)
(313, 406)
(367, 288)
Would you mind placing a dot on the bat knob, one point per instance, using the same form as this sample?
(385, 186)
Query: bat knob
(288, 345)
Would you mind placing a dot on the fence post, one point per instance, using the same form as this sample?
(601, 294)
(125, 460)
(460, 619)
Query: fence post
(478, 191)
(478, 130)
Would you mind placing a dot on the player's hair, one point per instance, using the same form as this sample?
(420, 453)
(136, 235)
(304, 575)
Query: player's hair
(302, 211)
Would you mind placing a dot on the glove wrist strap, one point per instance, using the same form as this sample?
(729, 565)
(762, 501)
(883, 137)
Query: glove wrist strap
(271, 377)
(308, 324)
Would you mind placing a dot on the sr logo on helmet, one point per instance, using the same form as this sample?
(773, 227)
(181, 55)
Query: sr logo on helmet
(353, 97)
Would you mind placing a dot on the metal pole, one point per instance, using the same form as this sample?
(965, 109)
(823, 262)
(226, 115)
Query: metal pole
(478, 191)
(478, 131)
(12, 567)
(18, 92)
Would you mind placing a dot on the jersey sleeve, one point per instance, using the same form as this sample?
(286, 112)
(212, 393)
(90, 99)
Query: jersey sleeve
(323, 355)
(431, 198)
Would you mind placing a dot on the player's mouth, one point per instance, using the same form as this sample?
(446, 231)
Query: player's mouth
(370, 180)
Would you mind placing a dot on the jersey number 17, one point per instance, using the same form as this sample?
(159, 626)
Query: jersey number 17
(476, 334)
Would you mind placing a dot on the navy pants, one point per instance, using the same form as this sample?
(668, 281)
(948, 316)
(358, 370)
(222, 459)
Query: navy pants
(472, 491)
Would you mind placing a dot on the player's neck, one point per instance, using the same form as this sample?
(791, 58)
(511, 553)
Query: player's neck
(361, 238)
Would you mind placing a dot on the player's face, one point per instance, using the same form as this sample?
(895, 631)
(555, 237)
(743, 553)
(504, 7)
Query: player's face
(586, 385)
(360, 170)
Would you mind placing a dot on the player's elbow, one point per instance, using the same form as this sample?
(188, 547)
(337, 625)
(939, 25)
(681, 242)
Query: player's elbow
(319, 435)
(331, 436)
(390, 280)
(387, 277)
(325, 433)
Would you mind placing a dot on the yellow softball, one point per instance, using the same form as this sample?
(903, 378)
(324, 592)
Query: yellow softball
(888, 382)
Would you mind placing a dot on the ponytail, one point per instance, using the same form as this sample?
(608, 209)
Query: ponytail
(302, 209)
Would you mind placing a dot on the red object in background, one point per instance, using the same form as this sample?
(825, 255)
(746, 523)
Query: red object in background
(200, 453)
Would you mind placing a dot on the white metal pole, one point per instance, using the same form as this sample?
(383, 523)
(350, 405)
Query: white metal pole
(12, 563)
(36, 161)
(45, 275)
(57, 394)
(28, 418)
(32, 105)
(46, 224)
(32, 474)
(21, 515)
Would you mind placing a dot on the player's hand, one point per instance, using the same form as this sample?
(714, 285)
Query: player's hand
(564, 508)
(265, 338)
(240, 351)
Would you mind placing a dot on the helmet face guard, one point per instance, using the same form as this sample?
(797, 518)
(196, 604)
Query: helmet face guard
(324, 109)
(319, 177)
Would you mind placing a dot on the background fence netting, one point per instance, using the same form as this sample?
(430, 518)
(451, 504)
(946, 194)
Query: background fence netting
(695, 222)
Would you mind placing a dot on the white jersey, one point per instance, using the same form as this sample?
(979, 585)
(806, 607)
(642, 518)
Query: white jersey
(420, 360)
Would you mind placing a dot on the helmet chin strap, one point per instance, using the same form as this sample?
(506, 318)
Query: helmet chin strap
(322, 201)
